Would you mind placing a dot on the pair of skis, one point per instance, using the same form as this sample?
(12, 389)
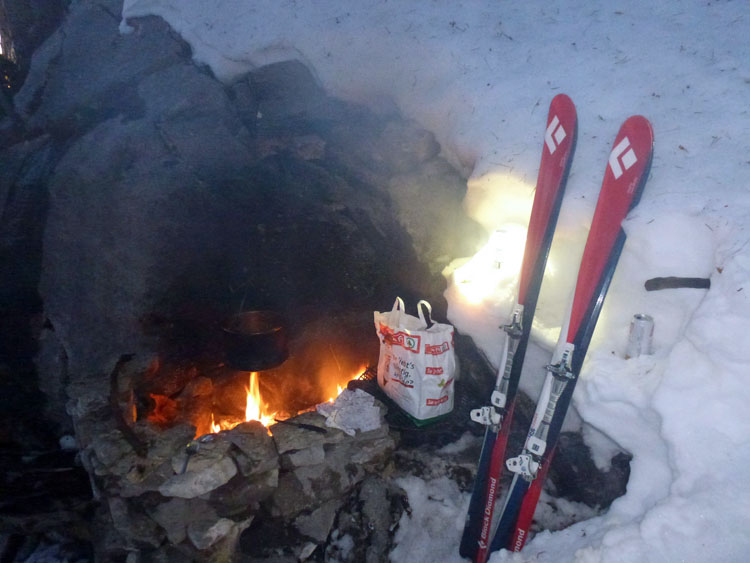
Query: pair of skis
(624, 178)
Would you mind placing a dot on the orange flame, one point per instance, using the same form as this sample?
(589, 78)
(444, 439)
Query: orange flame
(256, 409)
(341, 386)
(215, 428)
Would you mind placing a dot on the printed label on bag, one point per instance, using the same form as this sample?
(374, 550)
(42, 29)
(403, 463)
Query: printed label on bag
(404, 373)
(437, 349)
(433, 371)
(435, 402)
(407, 341)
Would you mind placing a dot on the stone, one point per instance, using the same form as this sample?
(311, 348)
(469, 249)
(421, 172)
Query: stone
(196, 482)
(306, 551)
(431, 195)
(207, 451)
(289, 99)
(205, 532)
(314, 455)
(346, 461)
(164, 444)
(144, 475)
(113, 453)
(317, 523)
(365, 524)
(133, 523)
(292, 438)
(87, 69)
(174, 515)
(242, 494)
(257, 451)
(578, 479)
(374, 451)
(292, 496)
(405, 146)
(378, 516)
(309, 147)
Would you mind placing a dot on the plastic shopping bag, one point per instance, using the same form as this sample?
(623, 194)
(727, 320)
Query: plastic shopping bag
(417, 364)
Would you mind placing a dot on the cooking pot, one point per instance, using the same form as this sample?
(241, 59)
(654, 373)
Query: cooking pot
(255, 341)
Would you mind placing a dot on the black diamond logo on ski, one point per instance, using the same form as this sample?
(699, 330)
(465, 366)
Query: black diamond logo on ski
(622, 156)
(554, 135)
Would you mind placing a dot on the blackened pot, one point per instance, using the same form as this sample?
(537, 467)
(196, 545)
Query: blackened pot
(255, 341)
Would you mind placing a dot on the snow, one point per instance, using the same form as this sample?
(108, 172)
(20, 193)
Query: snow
(480, 74)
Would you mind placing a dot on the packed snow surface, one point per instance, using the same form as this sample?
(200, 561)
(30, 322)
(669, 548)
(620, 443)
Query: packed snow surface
(480, 75)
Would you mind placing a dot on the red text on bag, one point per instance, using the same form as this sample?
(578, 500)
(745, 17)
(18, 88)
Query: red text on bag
(435, 402)
(436, 349)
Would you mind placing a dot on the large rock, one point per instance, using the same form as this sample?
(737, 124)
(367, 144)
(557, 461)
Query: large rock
(87, 69)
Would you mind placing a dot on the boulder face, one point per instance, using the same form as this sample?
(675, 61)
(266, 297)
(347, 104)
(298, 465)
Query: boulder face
(176, 200)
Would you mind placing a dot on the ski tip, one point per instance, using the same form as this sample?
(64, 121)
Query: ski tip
(563, 103)
(639, 125)
(562, 130)
(562, 98)
(641, 134)
(630, 158)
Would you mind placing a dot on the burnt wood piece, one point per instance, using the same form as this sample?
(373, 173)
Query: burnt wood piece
(672, 282)
(127, 432)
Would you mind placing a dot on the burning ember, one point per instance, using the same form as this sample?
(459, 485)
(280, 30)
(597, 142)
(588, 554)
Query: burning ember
(165, 410)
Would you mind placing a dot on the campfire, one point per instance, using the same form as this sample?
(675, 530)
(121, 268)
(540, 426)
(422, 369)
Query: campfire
(231, 398)
(259, 410)
(197, 440)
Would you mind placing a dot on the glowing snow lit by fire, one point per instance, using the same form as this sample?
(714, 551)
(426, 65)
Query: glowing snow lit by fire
(496, 263)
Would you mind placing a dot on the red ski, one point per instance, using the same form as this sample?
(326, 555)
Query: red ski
(557, 154)
(624, 178)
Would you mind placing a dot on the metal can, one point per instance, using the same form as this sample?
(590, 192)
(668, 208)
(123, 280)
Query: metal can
(641, 336)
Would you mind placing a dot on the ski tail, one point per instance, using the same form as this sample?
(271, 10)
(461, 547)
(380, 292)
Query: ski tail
(509, 515)
(624, 178)
(520, 532)
(492, 489)
(470, 538)
(557, 154)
